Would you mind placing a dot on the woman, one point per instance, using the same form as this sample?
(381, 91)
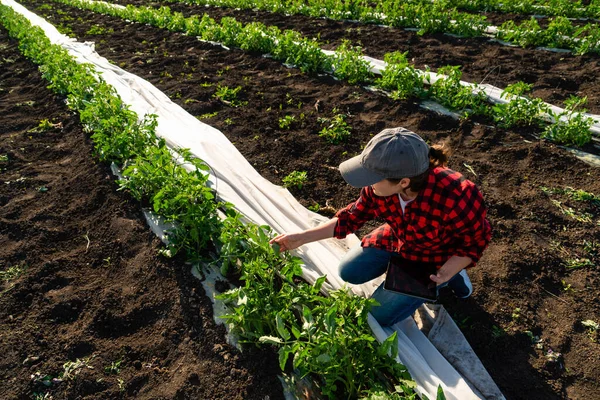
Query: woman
(433, 216)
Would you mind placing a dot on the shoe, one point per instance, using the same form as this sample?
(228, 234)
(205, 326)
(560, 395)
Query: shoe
(461, 285)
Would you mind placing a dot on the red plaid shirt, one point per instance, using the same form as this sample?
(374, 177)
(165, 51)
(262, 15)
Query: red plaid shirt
(447, 218)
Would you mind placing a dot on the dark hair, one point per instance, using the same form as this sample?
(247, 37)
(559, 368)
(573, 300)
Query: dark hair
(438, 157)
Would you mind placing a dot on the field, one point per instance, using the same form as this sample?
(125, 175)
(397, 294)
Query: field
(82, 278)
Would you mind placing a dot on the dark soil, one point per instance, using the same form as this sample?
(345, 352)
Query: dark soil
(554, 76)
(92, 286)
(523, 284)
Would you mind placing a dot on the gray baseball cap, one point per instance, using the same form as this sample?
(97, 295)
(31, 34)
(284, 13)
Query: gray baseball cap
(392, 153)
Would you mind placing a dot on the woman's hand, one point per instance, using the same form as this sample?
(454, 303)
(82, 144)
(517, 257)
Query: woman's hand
(452, 267)
(289, 241)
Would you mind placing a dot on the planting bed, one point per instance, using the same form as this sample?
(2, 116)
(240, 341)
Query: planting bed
(110, 299)
(554, 76)
(522, 284)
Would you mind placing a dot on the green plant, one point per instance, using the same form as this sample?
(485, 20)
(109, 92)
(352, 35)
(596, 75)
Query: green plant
(287, 121)
(592, 329)
(114, 368)
(566, 286)
(401, 78)
(99, 30)
(13, 272)
(516, 314)
(337, 131)
(449, 92)
(229, 95)
(207, 115)
(576, 263)
(520, 110)
(572, 127)
(72, 368)
(348, 64)
(295, 178)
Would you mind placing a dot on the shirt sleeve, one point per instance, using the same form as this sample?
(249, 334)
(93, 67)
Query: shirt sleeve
(354, 215)
(469, 224)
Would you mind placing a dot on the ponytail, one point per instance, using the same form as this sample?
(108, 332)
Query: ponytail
(438, 155)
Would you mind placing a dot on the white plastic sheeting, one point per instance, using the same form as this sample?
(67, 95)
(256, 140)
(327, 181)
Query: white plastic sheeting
(261, 202)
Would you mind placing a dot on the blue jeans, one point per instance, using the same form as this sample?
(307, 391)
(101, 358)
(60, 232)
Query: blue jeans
(361, 265)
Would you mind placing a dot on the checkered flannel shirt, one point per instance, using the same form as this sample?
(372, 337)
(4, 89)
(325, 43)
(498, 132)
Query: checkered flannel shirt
(447, 218)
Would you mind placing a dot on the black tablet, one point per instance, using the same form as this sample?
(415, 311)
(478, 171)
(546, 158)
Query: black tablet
(411, 279)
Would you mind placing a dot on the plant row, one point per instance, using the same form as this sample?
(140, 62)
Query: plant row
(431, 17)
(400, 79)
(565, 8)
(326, 338)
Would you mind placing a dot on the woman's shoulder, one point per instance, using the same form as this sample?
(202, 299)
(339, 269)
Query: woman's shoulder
(449, 183)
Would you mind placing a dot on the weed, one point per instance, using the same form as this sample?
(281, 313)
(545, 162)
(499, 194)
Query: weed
(315, 207)
(295, 178)
(99, 30)
(3, 157)
(207, 115)
(42, 396)
(72, 368)
(337, 131)
(229, 96)
(206, 84)
(12, 273)
(45, 126)
(470, 169)
(287, 122)
(566, 287)
(228, 121)
(497, 332)
(121, 384)
(566, 210)
(592, 329)
(114, 368)
(576, 263)
(516, 314)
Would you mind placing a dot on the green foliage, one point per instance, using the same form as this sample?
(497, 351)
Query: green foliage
(178, 195)
(295, 178)
(451, 93)
(229, 95)
(348, 64)
(326, 338)
(572, 127)
(528, 33)
(520, 110)
(337, 131)
(13, 272)
(270, 304)
(287, 121)
(114, 368)
(306, 54)
(99, 30)
(399, 77)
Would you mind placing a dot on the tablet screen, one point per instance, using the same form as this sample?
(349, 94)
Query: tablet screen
(411, 278)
